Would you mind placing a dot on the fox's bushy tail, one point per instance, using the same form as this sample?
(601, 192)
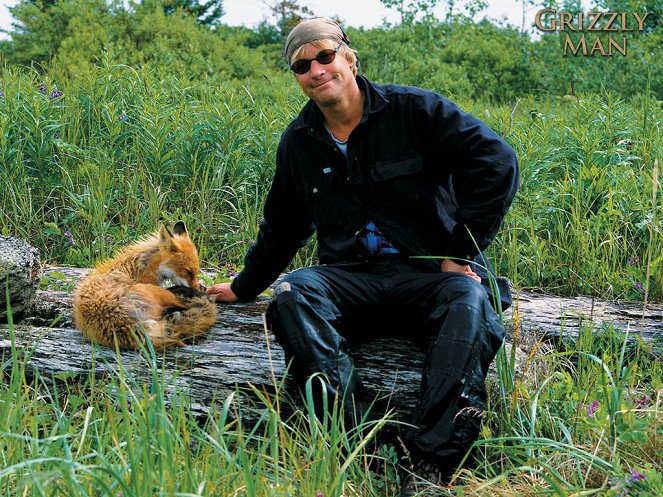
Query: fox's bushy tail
(194, 317)
(109, 312)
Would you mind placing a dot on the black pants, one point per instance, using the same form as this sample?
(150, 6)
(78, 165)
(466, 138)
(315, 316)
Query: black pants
(314, 315)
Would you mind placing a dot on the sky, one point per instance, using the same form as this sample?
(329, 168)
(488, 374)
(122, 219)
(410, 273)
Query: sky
(357, 13)
(367, 13)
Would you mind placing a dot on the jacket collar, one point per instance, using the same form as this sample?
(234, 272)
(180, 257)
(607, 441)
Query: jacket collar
(311, 118)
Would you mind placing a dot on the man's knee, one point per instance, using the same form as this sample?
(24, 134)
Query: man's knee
(481, 327)
(464, 314)
(298, 299)
(303, 281)
(465, 291)
(287, 294)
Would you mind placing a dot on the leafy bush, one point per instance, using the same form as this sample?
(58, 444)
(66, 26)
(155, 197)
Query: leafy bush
(584, 220)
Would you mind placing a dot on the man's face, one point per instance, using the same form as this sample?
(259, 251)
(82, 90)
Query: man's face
(325, 84)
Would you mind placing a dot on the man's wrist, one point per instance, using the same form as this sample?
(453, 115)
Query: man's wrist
(239, 291)
(461, 260)
(452, 265)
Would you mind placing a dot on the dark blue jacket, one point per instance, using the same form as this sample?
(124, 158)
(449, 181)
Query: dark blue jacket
(436, 180)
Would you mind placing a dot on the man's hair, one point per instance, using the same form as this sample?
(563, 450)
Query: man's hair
(324, 44)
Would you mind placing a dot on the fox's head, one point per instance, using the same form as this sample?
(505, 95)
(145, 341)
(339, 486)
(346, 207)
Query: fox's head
(178, 257)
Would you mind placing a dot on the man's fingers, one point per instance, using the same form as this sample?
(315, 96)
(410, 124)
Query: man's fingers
(221, 292)
(472, 274)
(448, 265)
(212, 290)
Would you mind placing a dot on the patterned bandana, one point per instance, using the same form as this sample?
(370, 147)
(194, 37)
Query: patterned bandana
(320, 28)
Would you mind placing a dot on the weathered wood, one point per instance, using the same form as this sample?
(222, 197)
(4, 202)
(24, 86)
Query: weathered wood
(552, 316)
(19, 272)
(238, 351)
(235, 352)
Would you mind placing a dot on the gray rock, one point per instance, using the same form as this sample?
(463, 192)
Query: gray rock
(20, 271)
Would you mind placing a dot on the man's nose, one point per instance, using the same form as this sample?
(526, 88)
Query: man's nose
(317, 68)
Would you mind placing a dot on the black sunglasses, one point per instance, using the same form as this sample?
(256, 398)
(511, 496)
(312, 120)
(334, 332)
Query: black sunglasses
(324, 57)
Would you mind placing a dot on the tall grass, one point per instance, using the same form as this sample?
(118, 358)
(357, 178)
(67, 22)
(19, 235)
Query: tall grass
(113, 437)
(583, 420)
(122, 149)
(585, 220)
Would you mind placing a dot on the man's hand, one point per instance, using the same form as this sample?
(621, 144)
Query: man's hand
(221, 293)
(449, 266)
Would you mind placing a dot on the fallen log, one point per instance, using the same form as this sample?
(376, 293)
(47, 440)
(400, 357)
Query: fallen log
(238, 351)
(19, 273)
(556, 317)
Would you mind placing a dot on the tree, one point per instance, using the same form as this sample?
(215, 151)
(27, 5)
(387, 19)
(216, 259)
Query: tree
(410, 9)
(651, 7)
(41, 25)
(205, 12)
(287, 14)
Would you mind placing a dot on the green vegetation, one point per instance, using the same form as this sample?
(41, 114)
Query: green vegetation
(99, 160)
(586, 420)
(114, 119)
(587, 218)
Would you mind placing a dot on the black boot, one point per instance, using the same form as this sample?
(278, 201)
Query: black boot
(425, 477)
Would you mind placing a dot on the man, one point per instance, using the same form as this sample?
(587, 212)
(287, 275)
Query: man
(383, 173)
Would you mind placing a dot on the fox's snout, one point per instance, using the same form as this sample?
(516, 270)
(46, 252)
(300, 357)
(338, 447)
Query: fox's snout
(187, 279)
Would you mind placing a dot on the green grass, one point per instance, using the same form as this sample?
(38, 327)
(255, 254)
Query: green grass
(587, 217)
(110, 436)
(123, 149)
(584, 419)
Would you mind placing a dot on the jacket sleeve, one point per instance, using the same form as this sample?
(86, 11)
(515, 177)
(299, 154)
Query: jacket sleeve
(483, 169)
(285, 228)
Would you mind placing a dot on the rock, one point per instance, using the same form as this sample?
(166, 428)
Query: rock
(20, 270)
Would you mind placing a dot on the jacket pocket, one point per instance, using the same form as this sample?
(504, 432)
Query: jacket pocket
(383, 171)
(316, 187)
(325, 200)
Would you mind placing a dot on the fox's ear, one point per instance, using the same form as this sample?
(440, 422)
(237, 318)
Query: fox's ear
(165, 235)
(179, 228)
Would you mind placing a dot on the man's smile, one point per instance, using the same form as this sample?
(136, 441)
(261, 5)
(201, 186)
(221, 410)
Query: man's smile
(318, 85)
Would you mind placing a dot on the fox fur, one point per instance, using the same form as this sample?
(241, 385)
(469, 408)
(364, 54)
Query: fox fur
(122, 300)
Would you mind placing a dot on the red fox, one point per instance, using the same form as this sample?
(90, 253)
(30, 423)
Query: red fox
(122, 300)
